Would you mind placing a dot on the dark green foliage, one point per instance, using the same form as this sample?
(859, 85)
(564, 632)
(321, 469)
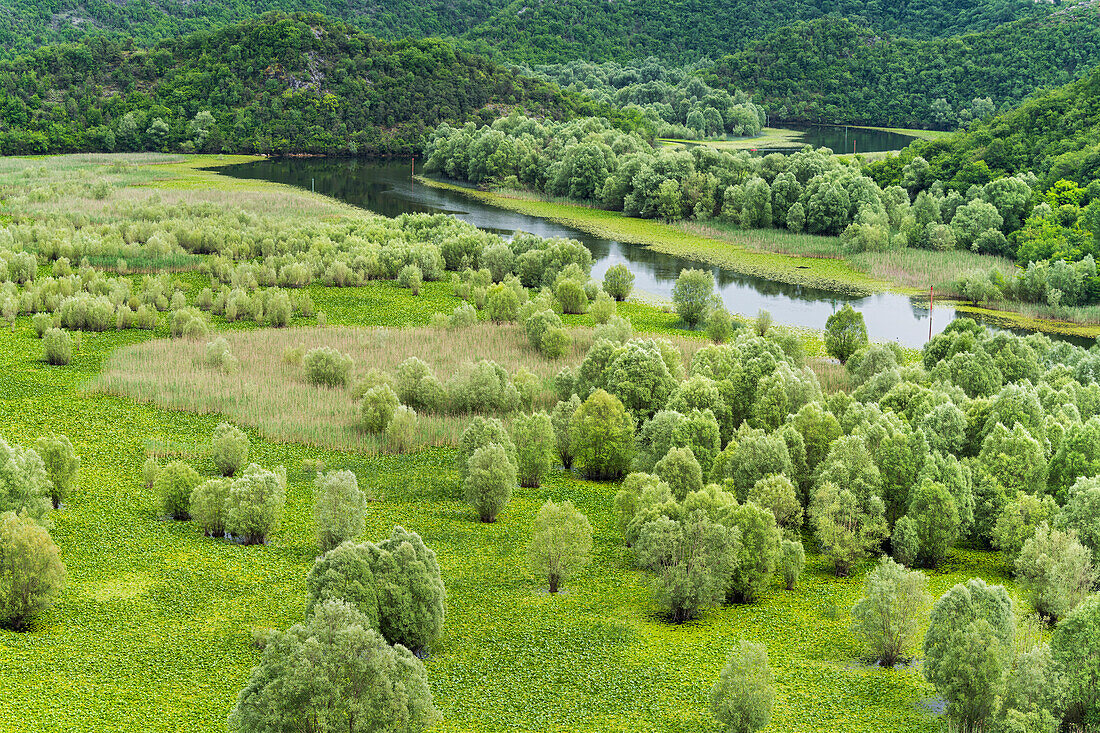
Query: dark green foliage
(693, 296)
(845, 333)
(344, 574)
(601, 436)
(1075, 647)
(758, 554)
(329, 88)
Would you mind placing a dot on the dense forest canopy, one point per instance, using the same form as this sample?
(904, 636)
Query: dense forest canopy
(837, 71)
(532, 32)
(278, 84)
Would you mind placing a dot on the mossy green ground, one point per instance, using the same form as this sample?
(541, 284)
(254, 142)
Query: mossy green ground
(154, 632)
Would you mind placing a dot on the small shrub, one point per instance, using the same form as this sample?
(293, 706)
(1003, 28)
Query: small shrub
(230, 448)
(888, 616)
(603, 307)
(502, 303)
(377, 408)
(571, 295)
(173, 486)
(149, 471)
(339, 508)
(535, 447)
(561, 539)
(490, 476)
(254, 508)
(220, 357)
(763, 323)
(742, 698)
(464, 316)
(31, 572)
(58, 346)
(410, 277)
(617, 329)
(145, 318)
(327, 367)
(719, 326)
(42, 322)
(401, 431)
(208, 506)
(62, 465)
(189, 322)
(792, 559)
(618, 281)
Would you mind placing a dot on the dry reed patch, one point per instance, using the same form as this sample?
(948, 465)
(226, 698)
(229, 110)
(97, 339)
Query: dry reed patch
(271, 394)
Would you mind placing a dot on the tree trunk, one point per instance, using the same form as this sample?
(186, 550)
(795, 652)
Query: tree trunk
(554, 582)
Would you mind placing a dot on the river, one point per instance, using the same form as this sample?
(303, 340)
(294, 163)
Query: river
(386, 188)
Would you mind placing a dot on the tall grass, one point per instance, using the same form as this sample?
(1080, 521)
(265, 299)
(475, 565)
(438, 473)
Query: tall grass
(919, 268)
(780, 241)
(270, 393)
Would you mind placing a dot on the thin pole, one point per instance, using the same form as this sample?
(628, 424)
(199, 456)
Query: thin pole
(931, 294)
(412, 170)
(312, 185)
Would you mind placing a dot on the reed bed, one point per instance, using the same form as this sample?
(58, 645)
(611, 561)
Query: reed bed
(920, 268)
(270, 393)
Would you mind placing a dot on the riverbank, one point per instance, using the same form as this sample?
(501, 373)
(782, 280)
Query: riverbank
(795, 259)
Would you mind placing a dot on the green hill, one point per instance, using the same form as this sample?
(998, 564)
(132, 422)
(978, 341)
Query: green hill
(1056, 134)
(529, 31)
(839, 72)
(281, 84)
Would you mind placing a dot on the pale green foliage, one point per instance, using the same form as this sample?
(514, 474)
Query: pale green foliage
(254, 508)
(334, 672)
(617, 329)
(758, 554)
(173, 488)
(692, 558)
(189, 322)
(410, 277)
(905, 541)
(846, 529)
(1075, 647)
(680, 471)
(490, 477)
(535, 447)
(58, 346)
(967, 648)
(479, 433)
(618, 281)
(1018, 522)
(376, 409)
(62, 465)
(601, 436)
(208, 506)
(411, 595)
(1082, 513)
(417, 387)
(888, 616)
(327, 367)
(229, 448)
(936, 520)
(719, 326)
(777, 494)
(602, 308)
(638, 491)
(31, 572)
(845, 333)
(792, 559)
(561, 539)
(149, 471)
(1055, 571)
(562, 417)
(400, 432)
(1033, 694)
(344, 573)
(502, 303)
(339, 508)
(742, 698)
(693, 296)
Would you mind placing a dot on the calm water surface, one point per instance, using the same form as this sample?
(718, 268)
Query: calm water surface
(386, 188)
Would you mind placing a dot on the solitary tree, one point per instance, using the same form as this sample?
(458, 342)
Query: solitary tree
(618, 281)
(535, 447)
(229, 449)
(208, 505)
(62, 465)
(887, 618)
(173, 486)
(742, 698)
(693, 559)
(560, 542)
(334, 672)
(845, 333)
(968, 647)
(693, 296)
(601, 436)
(31, 572)
(792, 559)
(339, 508)
(254, 507)
(490, 476)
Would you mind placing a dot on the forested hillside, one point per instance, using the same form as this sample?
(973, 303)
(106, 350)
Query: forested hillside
(521, 30)
(839, 72)
(279, 84)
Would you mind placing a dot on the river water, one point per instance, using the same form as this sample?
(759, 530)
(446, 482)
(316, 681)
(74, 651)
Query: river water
(387, 188)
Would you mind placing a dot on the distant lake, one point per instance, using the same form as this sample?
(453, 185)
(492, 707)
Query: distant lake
(386, 188)
(844, 139)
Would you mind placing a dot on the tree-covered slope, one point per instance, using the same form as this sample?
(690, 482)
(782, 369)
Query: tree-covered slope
(280, 83)
(530, 31)
(552, 31)
(1055, 134)
(837, 71)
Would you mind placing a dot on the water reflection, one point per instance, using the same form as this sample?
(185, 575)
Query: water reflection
(387, 188)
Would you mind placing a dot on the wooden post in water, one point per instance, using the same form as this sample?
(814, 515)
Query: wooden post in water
(931, 294)
(412, 170)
